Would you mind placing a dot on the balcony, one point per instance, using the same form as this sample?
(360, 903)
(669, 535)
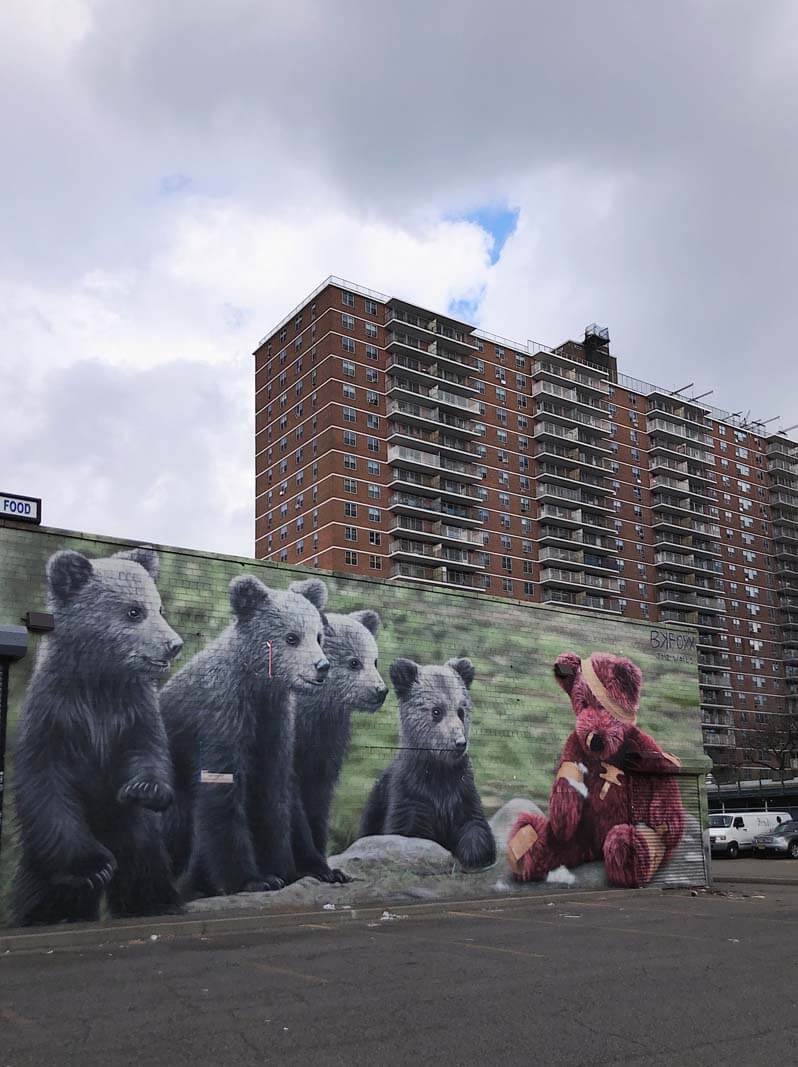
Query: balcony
(570, 395)
(415, 551)
(713, 663)
(580, 600)
(565, 371)
(717, 719)
(413, 458)
(667, 446)
(428, 375)
(428, 329)
(718, 738)
(714, 681)
(555, 533)
(691, 600)
(569, 578)
(571, 415)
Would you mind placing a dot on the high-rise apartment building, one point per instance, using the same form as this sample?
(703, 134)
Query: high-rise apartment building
(402, 443)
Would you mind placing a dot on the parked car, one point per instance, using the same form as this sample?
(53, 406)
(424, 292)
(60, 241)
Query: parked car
(733, 832)
(783, 841)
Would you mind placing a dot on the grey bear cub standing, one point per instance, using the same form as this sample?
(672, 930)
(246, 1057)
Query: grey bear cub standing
(428, 790)
(92, 761)
(323, 730)
(226, 715)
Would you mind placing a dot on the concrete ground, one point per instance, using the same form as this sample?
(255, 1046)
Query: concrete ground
(752, 869)
(648, 977)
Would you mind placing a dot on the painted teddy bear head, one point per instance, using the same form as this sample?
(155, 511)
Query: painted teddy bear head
(605, 695)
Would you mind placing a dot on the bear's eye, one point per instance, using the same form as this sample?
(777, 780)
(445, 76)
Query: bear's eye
(160, 609)
(134, 613)
(461, 714)
(319, 638)
(355, 664)
(291, 639)
(437, 714)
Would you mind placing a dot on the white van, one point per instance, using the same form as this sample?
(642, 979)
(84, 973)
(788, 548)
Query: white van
(733, 832)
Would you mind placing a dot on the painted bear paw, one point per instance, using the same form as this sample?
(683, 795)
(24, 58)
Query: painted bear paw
(93, 871)
(147, 792)
(265, 885)
(332, 875)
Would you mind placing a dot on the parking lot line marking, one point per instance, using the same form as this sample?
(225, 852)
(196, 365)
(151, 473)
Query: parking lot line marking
(287, 970)
(592, 926)
(497, 948)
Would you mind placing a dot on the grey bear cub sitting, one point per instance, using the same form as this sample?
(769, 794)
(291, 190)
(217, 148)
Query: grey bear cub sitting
(428, 790)
(226, 713)
(92, 761)
(323, 730)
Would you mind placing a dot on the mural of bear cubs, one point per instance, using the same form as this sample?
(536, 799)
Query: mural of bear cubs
(323, 730)
(225, 715)
(92, 761)
(428, 790)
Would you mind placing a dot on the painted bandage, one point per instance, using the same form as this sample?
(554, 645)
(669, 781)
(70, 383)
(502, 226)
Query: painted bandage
(654, 843)
(600, 693)
(518, 846)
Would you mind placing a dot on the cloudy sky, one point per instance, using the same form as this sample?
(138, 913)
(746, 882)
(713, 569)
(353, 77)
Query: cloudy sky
(178, 175)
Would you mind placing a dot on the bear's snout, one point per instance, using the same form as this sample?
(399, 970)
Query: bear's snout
(380, 693)
(322, 667)
(461, 744)
(174, 646)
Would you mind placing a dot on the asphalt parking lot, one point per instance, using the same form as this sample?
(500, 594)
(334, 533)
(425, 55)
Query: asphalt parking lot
(649, 977)
(769, 869)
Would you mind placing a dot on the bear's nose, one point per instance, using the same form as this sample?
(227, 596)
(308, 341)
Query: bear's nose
(381, 692)
(596, 742)
(174, 646)
(322, 667)
(460, 744)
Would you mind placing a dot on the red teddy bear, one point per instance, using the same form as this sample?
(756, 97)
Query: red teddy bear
(616, 795)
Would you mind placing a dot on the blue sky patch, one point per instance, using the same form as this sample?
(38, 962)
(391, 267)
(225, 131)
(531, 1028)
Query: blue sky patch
(499, 220)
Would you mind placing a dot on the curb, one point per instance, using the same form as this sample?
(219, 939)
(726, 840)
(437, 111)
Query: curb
(168, 928)
(726, 880)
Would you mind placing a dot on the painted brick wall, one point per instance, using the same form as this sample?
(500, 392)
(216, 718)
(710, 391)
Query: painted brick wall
(521, 716)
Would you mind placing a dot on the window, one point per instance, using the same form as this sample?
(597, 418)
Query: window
(371, 330)
(348, 368)
(528, 589)
(348, 322)
(372, 397)
(372, 352)
(350, 462)
(347, 299)
(350, 415)
(350, 533)
(375, 563)
(370, 307)
(374, 492)
(372, 444)
(350, 509)
(372, 375)
(374, 514)
(348, 344)
(375, 537)
(350, 485)
(348, 391)
(350, 438)
(373, 467)
(373, 422)
(350, 558)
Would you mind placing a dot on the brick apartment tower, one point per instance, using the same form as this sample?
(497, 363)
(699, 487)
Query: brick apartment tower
(402, 443)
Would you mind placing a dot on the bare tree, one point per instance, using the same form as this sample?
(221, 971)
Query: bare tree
(779, 739)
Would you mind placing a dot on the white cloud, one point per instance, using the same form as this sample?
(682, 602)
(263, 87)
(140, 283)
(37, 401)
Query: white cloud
(183, 174)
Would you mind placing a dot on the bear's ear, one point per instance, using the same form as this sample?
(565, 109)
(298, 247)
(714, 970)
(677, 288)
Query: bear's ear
(67, 572)
(465, 668)
(403, 673)
(368, 618)
(567, 668)
(145, 557)
(246, 594)
(312, 589)
(627, 680)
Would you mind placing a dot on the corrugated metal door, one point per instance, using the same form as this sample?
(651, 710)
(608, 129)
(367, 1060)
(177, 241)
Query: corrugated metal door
(687, 864)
